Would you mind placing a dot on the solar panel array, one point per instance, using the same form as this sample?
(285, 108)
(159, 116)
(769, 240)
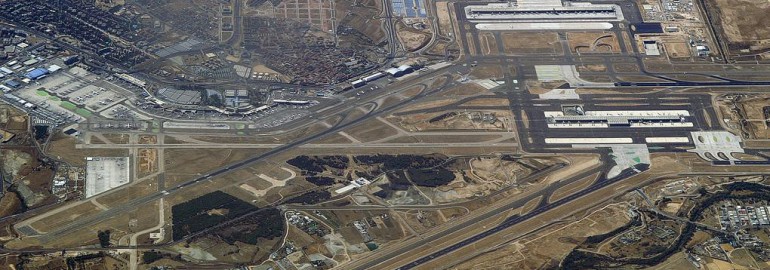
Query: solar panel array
(409, 8)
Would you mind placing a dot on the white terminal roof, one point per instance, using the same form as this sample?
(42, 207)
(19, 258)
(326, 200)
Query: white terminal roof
(546, 12)
(392, 71)
(651, 49)
(539, 3)
(619, 117)
(54, 68)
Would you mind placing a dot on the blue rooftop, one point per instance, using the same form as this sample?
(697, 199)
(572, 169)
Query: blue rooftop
(36, 73)
(13, 83)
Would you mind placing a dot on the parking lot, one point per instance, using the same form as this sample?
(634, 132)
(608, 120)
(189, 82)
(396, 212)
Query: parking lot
(105, 173)
(80, 87)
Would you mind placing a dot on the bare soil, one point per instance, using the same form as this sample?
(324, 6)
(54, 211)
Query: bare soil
(593, 42)
(742, 22)
(531, 43)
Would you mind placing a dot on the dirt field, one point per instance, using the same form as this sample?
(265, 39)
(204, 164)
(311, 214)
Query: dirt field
(487, 71)
(117, 138)
(173, 140)
(411, 38)
(468, 89)
(371, 130)
(573, 187)
(57, 220)
(194, 161)
(531, 42)
(497, 171)
(549, 246)
(486, 102)
(63, 147)
(743, 22)
(744, 258)
(750, 110)
(578, 163)
(450, 120)
(626, 67)
(143, 217)
(593, 42)
(537, 87)
(229, 139)
(677, 50)
(360, 14)
(444, 139)
(488, 44)
(471, 44)
(676, 261)
(148, 161)
(592, 68)
(130, 192)
(427, 104)
(444, 18)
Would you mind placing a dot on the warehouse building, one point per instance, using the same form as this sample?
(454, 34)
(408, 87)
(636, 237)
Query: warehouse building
(36, 74)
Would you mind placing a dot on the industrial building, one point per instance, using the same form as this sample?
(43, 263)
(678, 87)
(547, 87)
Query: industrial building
(291, 102)
(236, 98)
(36, 74)
(131, 79)
(187, 97)
(13, 84)
(651, 48)
(393, 72)
(399, 71)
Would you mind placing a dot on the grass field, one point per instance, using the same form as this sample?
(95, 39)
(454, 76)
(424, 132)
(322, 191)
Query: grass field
(83, 112)
(68, 105)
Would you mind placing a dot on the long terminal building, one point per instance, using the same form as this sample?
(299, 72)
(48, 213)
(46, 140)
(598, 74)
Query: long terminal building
(543, 14)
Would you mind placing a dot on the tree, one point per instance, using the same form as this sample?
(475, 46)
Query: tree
(104, 238)
(214, 100)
